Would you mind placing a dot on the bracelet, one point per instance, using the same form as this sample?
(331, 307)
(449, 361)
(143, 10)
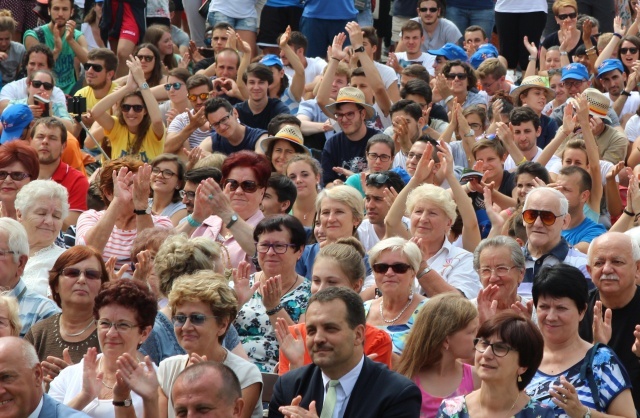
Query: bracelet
(532, 58)
(423, 273)
(193, 222)
(593, 48)
(524, 160)
(591, 53)
(448, 99)
(626, 212)
(625, 93)
(275, 310)
(617, 35)
(564, 53)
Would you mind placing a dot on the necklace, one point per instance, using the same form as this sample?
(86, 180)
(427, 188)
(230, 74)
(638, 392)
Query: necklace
(391, 321)
(106, 386)
(82, 331)
(294, 283)
(514, 404)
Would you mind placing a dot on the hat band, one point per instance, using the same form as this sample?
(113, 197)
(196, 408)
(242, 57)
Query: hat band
(349, 99)
(290, 138)
(598, 111)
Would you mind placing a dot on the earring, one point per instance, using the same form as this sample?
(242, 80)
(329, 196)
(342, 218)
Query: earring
(519, 378)
(411, 294)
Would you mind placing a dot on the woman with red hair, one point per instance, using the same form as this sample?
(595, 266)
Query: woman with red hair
(18, 166)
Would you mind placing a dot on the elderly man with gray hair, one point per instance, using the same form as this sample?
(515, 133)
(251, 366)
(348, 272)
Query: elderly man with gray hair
(613, 310)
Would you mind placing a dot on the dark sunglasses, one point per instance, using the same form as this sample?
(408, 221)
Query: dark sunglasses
(568, 16)
(202, 96)
(396, 267)
(428, 9)
(548, 218)
(96, 67)
(452, 76)
(74, 273)
(136, 108)
(37, 84)
(176, 86)
(147, 58)
(195, 318)
(15, 175)
(624, 51)
(377, 179)
(247, 186)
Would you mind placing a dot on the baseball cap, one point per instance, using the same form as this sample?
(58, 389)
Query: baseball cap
(14, 119)
(575, 71)
(484, 51)
(450, 51)
(271, 60)
(610, 65)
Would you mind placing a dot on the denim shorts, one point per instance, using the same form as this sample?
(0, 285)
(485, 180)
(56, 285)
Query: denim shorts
(248, 24)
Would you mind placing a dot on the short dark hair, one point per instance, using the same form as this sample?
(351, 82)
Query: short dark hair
(534, 169)
(230, 389)
(51, 122)
(298, 40)
(370, 34)
(129, 294)
(222, 25)
(282, 119)
(507, 104)
(523, 114)
(474, 28)
(393, 180)
(417, 87)
(199, 174)
(198, 80)
(586, 183)
(417, 71)
(352, 301)
(42, 49)
(285, 189)
(409, 107)
(561, 281)
(260, 71)
(181, 73)
(212, 105)
(282, 223)
(522, 335)
(70, 1)
(412, 25)
(105, 54)
(381, 139)
(471, 74)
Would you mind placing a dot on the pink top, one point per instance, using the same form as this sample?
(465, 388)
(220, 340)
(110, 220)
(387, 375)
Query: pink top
(430, 404)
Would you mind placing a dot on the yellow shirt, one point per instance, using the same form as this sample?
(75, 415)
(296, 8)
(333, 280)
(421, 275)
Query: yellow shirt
(122, 141)
(89, 94)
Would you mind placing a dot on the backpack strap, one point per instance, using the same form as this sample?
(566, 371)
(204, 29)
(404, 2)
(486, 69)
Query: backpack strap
(40, 34)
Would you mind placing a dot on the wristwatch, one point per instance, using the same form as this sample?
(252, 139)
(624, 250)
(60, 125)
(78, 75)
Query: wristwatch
(588, 413)
(126, 402)
(423, 272)
(359, 49)
(144, 86)
(146, 211)
(234, 219)
(470, 134)
(625, 93)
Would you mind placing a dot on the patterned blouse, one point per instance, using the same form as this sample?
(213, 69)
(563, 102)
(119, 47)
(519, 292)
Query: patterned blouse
(399, 333)
(457, 408)
(257, 335)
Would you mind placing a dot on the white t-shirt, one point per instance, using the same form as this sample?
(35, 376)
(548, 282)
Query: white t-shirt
(368, 236)
(521, 6)
(17, 90)
(553, 166)
(605, 167)
(632, 128)
(631, 105)
(315, 66)
(426, 60)
(387, 74)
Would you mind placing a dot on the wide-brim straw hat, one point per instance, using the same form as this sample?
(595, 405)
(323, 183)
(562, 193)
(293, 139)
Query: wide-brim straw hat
(290, 133)
(534, 81)
(351, 95)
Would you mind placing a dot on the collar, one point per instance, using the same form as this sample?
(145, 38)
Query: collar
(19, 290)
(560, 251)
(61, 172)
(348, 381)
(36, 412)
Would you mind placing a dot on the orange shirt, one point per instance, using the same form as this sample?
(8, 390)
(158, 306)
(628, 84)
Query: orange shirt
(376, 341)
(72, 154)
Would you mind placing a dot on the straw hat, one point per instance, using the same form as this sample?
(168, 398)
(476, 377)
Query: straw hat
(351, 95)
(290, 133)
(531, 82)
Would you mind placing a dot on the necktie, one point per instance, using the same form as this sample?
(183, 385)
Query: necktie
(330, 400)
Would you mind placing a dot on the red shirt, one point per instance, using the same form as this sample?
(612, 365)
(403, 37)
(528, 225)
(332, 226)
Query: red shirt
(76, 184)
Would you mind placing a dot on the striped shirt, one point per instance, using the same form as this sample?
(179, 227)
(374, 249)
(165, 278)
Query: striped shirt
(32, 307)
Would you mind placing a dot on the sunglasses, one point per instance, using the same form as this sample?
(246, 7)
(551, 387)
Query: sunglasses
(176, 86)
(201, 96)
(74, 273)
(147, 58)
(452, 76)
(37, 84)
(624, 51)
(247, 186)
(568, 16)
(396, 267)
(377, 179)
(428, 9)
(548, 218)
(195, 318)
(15, 175)
(136, 108)
(96, 67)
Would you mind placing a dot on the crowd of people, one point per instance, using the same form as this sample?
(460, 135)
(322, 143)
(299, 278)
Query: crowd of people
(342, 208)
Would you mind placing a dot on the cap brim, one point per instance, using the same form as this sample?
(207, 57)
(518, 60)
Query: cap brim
(371, 112)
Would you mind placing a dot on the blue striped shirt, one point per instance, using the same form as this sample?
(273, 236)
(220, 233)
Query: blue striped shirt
(32, 306)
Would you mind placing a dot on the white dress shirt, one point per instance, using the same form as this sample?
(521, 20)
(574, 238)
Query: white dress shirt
(344, 389)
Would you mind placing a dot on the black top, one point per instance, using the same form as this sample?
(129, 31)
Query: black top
(261, 120)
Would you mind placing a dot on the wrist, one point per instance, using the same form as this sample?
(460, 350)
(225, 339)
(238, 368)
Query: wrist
(274, 310)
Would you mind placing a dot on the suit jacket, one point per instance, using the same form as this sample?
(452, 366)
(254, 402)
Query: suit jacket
(378, 392)
(54, 409)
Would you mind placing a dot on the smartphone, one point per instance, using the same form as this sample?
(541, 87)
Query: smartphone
(77, 105)
(470, 175)
(44, 104)
(207, 52)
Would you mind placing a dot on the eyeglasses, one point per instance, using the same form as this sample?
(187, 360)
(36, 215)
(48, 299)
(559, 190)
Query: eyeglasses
(377, 179)
(195, 319)
(487, 85)
(554, 71)
(411, 155)
(222, 121)
(568, 16)
(121, 327)
(346, 115)
(452, 76)
(96, 67)
(500, 271)
(74, 273)
(624, 51)
(15, 175)
(4, 253)
(37, 84)
(201, 96)
(475, 126)
(383, 157)
(176, 86)
(548, 218)
(572, 83)
(396, 267)
(188, 195)
(499, 349)
(428, 9)
(166, 174)
(263, 247)
(248, 186)
(147, 58)
(126, 108)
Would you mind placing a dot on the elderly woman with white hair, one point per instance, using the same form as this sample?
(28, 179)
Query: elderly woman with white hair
(395, 262)
(9, 316)
(41, 207)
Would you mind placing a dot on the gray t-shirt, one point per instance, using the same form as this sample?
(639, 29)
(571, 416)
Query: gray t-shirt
(446, 32)
(9, 66)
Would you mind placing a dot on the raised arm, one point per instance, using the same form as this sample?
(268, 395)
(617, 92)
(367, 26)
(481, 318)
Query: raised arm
(616, 39)
(297, 83)
(592, 154)
(157, 124)
(505, 133)
(335, 54)
(533, 57)
(100, 111)
(568, 124)
(245, 49)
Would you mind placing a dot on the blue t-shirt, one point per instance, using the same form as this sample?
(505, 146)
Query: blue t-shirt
(284, 3)
(340, 151)
(221, 144)
(330, 10)
(261, 120)
(587, 231)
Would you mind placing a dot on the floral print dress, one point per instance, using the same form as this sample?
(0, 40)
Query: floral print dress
(457, 408)
(256, 333)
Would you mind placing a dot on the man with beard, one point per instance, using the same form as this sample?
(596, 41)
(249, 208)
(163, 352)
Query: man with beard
(611, 74)
(61, 36)
(49, 139)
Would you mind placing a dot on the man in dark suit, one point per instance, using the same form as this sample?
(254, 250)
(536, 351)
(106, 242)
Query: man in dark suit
(21, 392)
(342, 382)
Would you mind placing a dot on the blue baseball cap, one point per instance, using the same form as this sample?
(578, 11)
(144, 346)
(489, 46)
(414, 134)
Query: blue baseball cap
(575, 71)
(450, 52)
(14, 119)
(610, 65)
(271, 60)
(484, 51)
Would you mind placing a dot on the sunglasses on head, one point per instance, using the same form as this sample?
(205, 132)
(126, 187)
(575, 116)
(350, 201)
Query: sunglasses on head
(74, 273)
(37, 84)
(460, 76)
(428, 9)
(396, 267)
(548, 218)
(147, 58)
(136, 108)
(568, 16)
(248, 186)
(96, 67)
(195, 318)
(378, 179)
(15, 175)
(632, 50)
(201, 96)
(176, 86)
